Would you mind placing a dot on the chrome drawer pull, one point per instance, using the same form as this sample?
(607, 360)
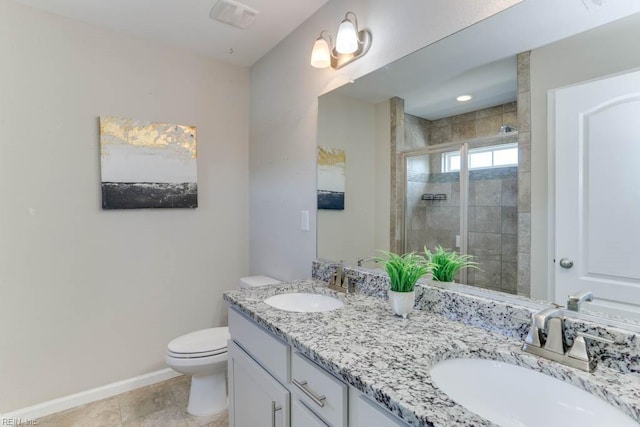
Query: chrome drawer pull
(274, 409)
(302, 385)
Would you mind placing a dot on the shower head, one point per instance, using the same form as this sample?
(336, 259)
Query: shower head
(507, 129)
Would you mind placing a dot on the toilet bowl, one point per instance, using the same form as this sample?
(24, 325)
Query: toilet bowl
(203, 356)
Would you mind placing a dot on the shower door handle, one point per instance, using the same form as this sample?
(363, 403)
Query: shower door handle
(566, 263)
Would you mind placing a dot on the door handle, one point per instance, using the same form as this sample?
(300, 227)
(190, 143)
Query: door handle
(274, 409)
(304, 387)
(566, 263)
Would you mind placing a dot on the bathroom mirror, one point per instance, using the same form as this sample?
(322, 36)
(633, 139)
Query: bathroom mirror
(378, 118)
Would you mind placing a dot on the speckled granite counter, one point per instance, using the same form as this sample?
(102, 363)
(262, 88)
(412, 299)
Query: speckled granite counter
(388, 358)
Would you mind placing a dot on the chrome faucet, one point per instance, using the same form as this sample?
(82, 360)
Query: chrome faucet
(574, 302)
(550, 320)
(339, 282)
(552, 344)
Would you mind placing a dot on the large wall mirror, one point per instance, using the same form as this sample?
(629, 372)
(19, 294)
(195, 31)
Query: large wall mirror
(423, 169)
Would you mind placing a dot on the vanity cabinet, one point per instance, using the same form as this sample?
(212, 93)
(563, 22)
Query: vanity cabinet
(256, 399)
(272, 386)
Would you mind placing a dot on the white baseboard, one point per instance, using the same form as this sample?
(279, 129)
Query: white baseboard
(88, 396)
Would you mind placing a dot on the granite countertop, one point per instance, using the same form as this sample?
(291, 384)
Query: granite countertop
(388, 358)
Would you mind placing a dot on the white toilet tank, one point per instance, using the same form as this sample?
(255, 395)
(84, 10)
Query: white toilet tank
(251, 281)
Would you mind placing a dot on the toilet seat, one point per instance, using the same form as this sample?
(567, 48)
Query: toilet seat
(199, 344)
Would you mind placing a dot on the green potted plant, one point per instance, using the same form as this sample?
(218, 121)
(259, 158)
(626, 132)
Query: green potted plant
(445, 264)
(404, 271)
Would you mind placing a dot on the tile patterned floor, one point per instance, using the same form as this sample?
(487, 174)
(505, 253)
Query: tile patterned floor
(158, 405)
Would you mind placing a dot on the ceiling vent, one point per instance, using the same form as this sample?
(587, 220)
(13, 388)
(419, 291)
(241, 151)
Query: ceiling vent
(233, 13)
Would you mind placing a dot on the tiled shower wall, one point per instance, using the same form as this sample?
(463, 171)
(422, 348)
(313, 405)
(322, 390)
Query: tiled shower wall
(493, 226)
(493, 197)
(432, 222)
(492, 219)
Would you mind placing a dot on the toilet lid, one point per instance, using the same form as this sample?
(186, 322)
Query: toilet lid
(205, 342)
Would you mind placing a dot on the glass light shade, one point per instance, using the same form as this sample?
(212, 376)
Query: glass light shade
(320, 55)
(347, 38)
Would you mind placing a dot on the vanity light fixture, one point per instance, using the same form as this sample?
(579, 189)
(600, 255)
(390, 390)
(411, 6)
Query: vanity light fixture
(351, 44)
(464, 98)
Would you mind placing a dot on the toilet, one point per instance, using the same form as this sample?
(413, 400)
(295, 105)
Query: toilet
(203, 355)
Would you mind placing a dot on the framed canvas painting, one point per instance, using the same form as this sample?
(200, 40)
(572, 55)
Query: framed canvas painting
(147, 165)
(331, 178)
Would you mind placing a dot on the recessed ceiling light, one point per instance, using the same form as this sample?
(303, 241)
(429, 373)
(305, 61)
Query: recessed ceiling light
(464, 98)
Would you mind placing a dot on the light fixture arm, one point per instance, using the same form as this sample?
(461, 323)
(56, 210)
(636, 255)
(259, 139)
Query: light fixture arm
(355, 19)
(324, 34)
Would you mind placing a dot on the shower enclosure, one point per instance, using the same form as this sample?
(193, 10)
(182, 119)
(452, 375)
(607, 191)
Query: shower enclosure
(463, 196)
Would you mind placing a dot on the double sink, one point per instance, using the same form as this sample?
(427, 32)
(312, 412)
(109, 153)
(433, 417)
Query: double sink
(506, 394)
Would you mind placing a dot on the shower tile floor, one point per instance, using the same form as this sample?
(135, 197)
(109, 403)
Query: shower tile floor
(159, 405)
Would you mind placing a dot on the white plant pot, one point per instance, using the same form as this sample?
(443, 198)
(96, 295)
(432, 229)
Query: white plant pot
(402, 302)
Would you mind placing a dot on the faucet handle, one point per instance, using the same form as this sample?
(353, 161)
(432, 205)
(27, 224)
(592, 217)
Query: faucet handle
(595, 338)
(533, 337)
(579, 347)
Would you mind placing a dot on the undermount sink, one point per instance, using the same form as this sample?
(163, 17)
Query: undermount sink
(304, 302)
(510, 395)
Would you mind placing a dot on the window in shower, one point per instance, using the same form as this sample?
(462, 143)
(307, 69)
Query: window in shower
(485, 157)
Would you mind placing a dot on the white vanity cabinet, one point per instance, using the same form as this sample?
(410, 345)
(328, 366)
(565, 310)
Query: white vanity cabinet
(255, 398)
(272, 386)
(258, 369)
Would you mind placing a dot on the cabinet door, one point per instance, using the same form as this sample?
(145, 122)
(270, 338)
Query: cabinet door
(371, 415)
(301, 416)
(256, 399)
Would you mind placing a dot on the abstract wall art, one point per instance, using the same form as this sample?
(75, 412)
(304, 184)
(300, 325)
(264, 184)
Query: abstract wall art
(331, 178)
(147, 165)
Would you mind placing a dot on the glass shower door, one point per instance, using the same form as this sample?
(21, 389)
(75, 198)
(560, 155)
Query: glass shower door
(464, 197)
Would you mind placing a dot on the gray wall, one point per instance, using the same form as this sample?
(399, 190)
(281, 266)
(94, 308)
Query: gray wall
(91, 297)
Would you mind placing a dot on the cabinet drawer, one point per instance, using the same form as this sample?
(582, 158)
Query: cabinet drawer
(270, 352)
(319, 390)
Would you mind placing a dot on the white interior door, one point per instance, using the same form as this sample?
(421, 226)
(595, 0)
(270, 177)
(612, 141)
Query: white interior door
(596, 132)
